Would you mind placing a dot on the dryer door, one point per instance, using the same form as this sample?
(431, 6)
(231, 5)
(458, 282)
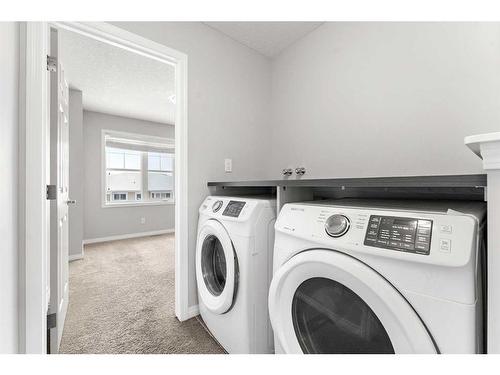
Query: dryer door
(323, 301)
(216, 267)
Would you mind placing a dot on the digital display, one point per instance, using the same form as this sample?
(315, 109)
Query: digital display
(405, 222)
(399, 233)
(233, 208)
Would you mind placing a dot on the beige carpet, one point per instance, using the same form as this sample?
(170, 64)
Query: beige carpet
(122, 301)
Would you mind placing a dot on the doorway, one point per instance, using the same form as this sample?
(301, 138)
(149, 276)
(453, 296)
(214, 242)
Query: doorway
(35, 264)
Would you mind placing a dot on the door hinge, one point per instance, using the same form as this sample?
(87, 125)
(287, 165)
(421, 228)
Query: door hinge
(51, 64)
(51, 192)
(51, 321)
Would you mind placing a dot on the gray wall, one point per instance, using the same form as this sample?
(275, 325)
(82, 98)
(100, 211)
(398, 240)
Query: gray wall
(9, 74)
(76, 174)
(349, 99)
(111, 221)
(228, 110)
(382, 99)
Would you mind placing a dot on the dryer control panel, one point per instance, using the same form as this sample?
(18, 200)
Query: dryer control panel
(399, 233)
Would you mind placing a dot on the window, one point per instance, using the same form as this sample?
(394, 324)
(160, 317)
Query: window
(119, 196)
(162, 195)
(117, 158)
(137, 169)
(123, 174)
(160, 175)
(158, 161)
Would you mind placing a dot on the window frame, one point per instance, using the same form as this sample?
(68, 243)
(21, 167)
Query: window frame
(170, 142)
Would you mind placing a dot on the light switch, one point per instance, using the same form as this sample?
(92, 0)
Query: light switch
(228, 165)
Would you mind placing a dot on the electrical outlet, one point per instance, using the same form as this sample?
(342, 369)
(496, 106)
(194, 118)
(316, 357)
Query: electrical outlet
(228, 165)
(143, 220)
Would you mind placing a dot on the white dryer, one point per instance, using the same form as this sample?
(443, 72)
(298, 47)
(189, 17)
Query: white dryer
(378, 277)
(234, 269)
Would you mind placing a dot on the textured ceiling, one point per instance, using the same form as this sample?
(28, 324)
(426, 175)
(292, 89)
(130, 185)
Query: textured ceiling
(117, 81)
(268, 38)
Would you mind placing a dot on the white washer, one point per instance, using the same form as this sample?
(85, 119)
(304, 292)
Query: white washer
(378, 277)
(234, 269)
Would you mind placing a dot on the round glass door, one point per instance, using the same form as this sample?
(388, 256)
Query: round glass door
(216, 267)
(213, 265)
(330, 318)
(324, 301)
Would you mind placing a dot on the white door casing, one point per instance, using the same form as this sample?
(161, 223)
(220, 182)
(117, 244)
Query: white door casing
(34, 175)
(221, 303)
(59, 207)
(405, 329)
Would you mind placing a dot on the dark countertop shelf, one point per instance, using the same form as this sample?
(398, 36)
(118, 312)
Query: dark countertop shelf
(444, 181)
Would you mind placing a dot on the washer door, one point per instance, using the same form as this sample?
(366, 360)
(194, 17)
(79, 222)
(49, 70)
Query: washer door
(324, 301)
(216, 267)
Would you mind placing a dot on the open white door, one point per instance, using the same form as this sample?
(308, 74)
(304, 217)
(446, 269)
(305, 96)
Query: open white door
(59, 175)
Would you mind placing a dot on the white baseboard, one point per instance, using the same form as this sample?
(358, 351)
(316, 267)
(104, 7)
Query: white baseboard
(73, 257)
(193, 311)
(128, 235)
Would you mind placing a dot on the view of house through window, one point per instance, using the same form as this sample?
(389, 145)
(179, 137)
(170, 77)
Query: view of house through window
(138, 169)
(160, 175)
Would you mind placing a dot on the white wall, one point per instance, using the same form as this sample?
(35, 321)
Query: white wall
(382, 99)
(76, 174)
(9, 74)
(102, 222)
(228, 110)
(347, 100)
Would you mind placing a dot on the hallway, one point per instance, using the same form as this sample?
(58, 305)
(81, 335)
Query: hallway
(122, 301)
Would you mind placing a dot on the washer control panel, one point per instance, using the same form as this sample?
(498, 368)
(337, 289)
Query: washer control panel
(399, 233)
(233, 208)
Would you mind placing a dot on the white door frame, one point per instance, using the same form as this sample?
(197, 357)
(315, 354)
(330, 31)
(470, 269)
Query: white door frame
(34, 208)
(34, 212)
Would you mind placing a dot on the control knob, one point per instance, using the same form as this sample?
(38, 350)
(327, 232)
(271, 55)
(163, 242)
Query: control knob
(337, 225)
(216, 206)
